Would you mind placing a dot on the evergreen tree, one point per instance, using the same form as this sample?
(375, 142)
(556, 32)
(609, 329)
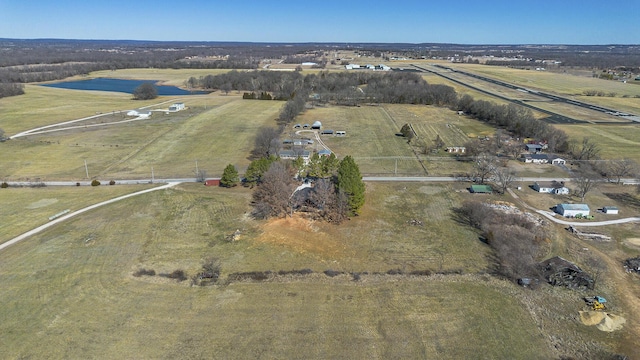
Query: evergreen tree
(350, 182)
(230, 176)
(257, 168)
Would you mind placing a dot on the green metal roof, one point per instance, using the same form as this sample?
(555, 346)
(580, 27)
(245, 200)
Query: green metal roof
(481, 189)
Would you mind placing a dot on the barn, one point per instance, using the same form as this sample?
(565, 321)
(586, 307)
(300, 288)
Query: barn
(316, 125)
(212, 182)
(572, 210)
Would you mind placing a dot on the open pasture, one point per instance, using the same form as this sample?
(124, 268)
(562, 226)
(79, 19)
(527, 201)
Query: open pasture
(69, 292)
(214, 130)
(371, 138)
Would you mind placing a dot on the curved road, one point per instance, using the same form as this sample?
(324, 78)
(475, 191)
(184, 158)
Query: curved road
(78, 212)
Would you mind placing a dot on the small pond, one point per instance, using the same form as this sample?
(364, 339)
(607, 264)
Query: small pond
(120, 85)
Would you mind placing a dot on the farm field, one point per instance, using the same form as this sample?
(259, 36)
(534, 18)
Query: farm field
(371, 136)
(69, 292)
(170, 143)
(614, 141)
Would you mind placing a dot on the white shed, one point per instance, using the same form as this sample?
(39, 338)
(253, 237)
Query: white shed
(572, 210)
(613, 210)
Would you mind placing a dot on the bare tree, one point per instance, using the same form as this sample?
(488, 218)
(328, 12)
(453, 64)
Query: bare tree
(514, 149)
(267, 142)
(273, 195)
(200, 174)
(504, 178)
(617, 169)
(485, 165)
(585, 181)
(588, 150)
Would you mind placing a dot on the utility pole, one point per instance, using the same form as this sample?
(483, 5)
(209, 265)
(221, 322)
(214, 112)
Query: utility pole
(197, 171)
(152, 178)
(86, 169)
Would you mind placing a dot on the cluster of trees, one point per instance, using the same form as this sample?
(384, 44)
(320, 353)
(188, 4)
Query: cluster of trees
(10, 89)
(338, 190)
(146, 91)
(517, 241)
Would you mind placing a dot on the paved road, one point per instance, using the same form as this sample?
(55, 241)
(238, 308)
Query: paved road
(78, 212)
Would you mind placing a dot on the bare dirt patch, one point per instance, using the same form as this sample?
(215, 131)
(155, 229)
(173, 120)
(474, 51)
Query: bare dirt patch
(633, 242)
(303, 236)
(41, 203)
(602, 320)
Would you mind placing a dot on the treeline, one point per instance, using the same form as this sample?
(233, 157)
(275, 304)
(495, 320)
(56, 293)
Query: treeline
(515, 119)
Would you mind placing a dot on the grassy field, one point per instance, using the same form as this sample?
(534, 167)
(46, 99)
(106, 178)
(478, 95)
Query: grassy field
(560, 83)
(371, 138)
(214, 130)
(26, 208)
(614, 141)
(69, 292)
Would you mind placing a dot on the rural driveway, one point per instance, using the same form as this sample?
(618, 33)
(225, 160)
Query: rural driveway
(78, 212)
(551, 216)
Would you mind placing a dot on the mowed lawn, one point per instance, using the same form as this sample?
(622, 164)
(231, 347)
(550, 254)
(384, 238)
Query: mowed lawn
(214, 130)
(69, 292)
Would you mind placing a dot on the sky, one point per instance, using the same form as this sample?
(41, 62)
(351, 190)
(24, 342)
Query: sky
(588, 22)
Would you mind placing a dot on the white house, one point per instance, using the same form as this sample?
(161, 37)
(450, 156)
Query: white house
(292, 155)
(456, 149)
(551, 187)
(612, 210)
(176, 107)
(572, 210)
(558, 161)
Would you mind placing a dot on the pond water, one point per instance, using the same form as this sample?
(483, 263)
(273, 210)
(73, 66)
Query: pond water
(120, 85)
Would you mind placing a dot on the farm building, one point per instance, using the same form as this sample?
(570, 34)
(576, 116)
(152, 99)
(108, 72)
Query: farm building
(572, 210)
(480, 189)
(534, 148)
(613, 210)
(317, 125)
(212, 182)
(551, 187)
(292, 155)
(326, 132)
(176, 107)
(341, 133)
(456, 149)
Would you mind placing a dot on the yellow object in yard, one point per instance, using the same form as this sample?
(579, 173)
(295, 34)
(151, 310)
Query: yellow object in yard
(597, 305)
